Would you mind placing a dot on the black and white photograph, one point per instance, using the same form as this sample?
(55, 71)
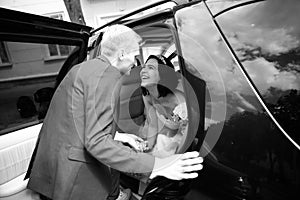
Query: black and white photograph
(149, 99)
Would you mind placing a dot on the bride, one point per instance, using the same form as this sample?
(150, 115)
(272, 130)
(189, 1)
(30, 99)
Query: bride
(165, 107)
(165, 110)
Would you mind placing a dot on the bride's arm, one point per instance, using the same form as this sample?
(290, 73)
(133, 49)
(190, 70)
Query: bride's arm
(131, 139)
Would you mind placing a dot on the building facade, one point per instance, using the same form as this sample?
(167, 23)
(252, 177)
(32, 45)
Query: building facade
(21, 62)
(26, 68)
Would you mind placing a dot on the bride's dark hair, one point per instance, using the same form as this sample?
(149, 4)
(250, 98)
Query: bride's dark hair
(168, 77)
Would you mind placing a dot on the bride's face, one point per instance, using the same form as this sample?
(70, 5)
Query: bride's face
(149, 73)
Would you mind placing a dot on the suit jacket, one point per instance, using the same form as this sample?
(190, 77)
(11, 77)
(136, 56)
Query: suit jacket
(76, 150)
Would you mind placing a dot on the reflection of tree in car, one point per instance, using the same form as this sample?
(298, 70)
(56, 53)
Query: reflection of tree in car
(261, 150)
(287, 111)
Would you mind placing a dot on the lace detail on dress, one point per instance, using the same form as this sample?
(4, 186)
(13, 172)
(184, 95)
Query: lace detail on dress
(170, 132)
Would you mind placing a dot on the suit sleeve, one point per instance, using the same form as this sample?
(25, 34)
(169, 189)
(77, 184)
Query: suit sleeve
(99, 96)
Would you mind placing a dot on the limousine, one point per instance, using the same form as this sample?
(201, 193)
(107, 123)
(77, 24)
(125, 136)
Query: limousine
(238, 63)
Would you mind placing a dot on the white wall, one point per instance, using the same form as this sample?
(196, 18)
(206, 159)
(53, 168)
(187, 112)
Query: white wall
(29, 60)
(39, 7)
(93, 9)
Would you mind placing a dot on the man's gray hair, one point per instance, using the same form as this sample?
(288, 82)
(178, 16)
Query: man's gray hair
(118, 36)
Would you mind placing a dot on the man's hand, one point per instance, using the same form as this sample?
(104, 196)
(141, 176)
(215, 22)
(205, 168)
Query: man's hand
(178, 166)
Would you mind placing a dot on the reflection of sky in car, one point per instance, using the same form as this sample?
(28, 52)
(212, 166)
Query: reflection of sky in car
(199, 57)
(270, 37)
(263, 27)
(273, 40)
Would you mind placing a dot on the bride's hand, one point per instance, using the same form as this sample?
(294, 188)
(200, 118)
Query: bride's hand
(134, 141)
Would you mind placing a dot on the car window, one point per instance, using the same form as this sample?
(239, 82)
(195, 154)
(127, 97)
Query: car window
(239, 132)
(267, 44)
(27, 81)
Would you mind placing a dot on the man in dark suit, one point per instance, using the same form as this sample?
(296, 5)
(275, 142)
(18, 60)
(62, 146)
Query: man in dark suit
(77, 157)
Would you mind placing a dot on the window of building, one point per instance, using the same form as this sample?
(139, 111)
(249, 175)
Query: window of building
(57, 51)
(4, 56)
(54, 51)
(59, 16)
(103, 19)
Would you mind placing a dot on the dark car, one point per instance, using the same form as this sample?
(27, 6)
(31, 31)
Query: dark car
(238, 63)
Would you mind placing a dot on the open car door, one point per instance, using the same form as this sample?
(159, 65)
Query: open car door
(37, 48)
(36, 53)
